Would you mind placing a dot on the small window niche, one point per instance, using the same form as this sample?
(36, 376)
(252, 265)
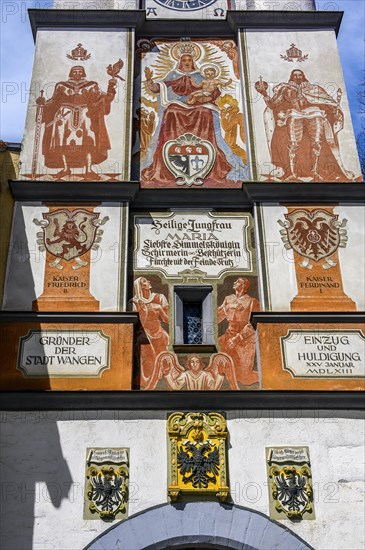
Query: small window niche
(194, 318)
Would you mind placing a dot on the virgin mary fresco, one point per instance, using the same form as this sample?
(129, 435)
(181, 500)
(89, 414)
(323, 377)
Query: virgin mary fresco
(186, 91)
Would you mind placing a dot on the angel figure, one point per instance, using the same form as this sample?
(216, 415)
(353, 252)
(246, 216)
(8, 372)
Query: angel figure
(194, 376)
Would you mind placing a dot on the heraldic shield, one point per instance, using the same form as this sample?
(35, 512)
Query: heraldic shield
(189, 159)
(69, 234)
(107, 481)
(315, 234)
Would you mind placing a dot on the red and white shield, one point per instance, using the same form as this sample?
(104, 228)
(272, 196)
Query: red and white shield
(69, 233)
(189, 159)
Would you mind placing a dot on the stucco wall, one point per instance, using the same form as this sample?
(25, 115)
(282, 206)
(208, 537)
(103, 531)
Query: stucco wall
(43, 469)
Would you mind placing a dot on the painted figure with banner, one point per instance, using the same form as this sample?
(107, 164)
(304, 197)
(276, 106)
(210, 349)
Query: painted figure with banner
(302, 123)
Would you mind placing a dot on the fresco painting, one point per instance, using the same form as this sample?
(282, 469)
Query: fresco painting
(189, 122)
(308, 257)
(301, 123)
(77, 108)
(218, 252)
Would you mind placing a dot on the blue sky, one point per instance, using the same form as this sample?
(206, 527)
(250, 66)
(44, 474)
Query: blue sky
(17, 51)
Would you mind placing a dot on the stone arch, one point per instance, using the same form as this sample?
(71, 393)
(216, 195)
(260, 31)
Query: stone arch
(198, 524)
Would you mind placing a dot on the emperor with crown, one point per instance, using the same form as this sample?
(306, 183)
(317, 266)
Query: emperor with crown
(75, 135)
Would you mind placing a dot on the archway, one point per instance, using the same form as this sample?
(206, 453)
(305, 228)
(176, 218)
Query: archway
(198, 525)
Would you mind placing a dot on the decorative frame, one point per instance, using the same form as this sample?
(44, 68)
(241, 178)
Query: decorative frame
(197, 455)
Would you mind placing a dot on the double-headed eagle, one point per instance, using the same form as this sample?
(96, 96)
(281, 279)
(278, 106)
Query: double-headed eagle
(201, 466)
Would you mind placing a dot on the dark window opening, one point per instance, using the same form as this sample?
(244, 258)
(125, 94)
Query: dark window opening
(192, 323)
(193, 314)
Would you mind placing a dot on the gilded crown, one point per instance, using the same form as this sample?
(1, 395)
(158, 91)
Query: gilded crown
(79, 54)
(186, 48)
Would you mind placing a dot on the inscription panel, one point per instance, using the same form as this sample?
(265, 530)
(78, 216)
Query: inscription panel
(79, 356)
(312, 357)
(59, 353)
(324, 354)
(210, 243)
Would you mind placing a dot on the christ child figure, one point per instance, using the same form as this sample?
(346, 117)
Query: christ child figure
(207, 89)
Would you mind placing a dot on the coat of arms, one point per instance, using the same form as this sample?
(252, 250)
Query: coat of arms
(189, 159)
(68, 234)
(291, 490)
(197, 450)
(198, 463)
(290, 483)
(107, 476)
(315, 235)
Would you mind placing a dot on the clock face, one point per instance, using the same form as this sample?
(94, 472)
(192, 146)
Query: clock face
(185, 5)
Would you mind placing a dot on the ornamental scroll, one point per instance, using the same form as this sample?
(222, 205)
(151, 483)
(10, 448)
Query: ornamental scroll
(197, 455)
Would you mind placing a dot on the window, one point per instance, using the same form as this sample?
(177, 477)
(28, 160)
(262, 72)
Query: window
(193, 314)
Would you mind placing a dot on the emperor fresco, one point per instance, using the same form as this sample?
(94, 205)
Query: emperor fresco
(78, 113)
(189, 123)
(301, 123)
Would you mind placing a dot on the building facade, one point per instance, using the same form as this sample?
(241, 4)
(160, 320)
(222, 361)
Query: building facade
(183, 351)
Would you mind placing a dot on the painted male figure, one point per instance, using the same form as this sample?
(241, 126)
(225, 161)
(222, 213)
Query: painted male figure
(239, 340)
(75, 134)
(302, 122)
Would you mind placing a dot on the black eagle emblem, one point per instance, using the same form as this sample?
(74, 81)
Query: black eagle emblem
(291, 487)
(107, 491)
(198, 464)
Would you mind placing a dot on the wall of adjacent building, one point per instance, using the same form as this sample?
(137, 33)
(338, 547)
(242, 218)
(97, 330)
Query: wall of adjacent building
(9, 168)
(44, 458)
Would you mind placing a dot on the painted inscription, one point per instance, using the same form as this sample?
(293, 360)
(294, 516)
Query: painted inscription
(63, 353)
(324, 354)
(177, 242)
